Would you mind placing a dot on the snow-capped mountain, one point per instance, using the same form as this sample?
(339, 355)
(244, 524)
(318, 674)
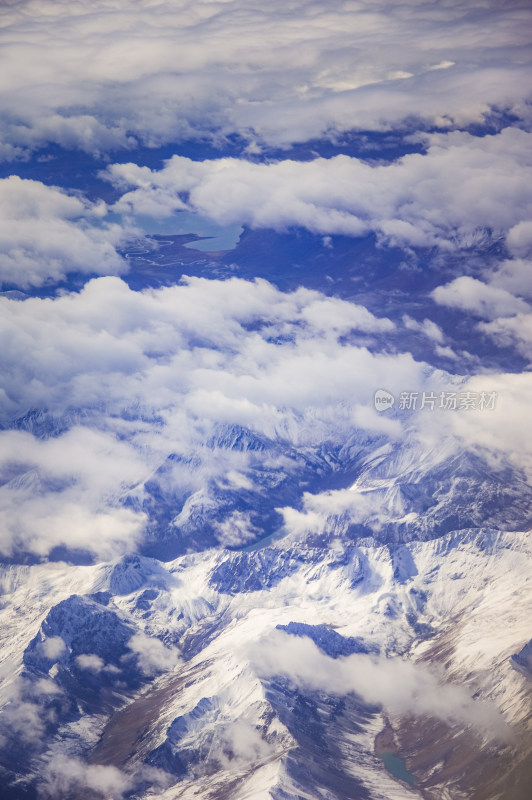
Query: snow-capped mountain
(323, 603)
(253, 599)
(219, 674)
(265, 391)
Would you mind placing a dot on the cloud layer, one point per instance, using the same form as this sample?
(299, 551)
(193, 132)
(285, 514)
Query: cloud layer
(101, 75)
(104, 385)
(107, 383)
(46, 233)
(462, 187)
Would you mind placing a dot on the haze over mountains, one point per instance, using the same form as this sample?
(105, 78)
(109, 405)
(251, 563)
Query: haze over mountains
(227, 572)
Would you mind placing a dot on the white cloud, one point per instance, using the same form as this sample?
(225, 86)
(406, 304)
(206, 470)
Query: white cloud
(445, 352)
(150, 374)
(519, 238)
(92, 73)
(512, 332)
(401, 687)
(90, 662)
(334, 510)
(427, 328)
(238, 480)
(367, 418)
(509, 317)
(335, 316)
(501, 433)
(470, 294)
(513, 274)
(53, 647)
(236, 530)
(45, 686)
(24, 720)
(46, 233)
(63, 775)
(184, 359)
(243, 746)
(463, 184)
(66, 491)
(24, 716)
(153, 656)
(114, 346)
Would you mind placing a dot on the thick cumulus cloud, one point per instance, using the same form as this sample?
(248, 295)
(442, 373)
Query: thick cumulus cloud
(99, 75)
(207, 339)
(119, 380)
(461, 186)
(105, 384)
(471, 294)
(46, 233)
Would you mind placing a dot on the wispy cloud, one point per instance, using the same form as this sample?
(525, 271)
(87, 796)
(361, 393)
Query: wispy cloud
(400, 687)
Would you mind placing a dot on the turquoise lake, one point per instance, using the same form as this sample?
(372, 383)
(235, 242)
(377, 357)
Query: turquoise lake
(397, 767)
